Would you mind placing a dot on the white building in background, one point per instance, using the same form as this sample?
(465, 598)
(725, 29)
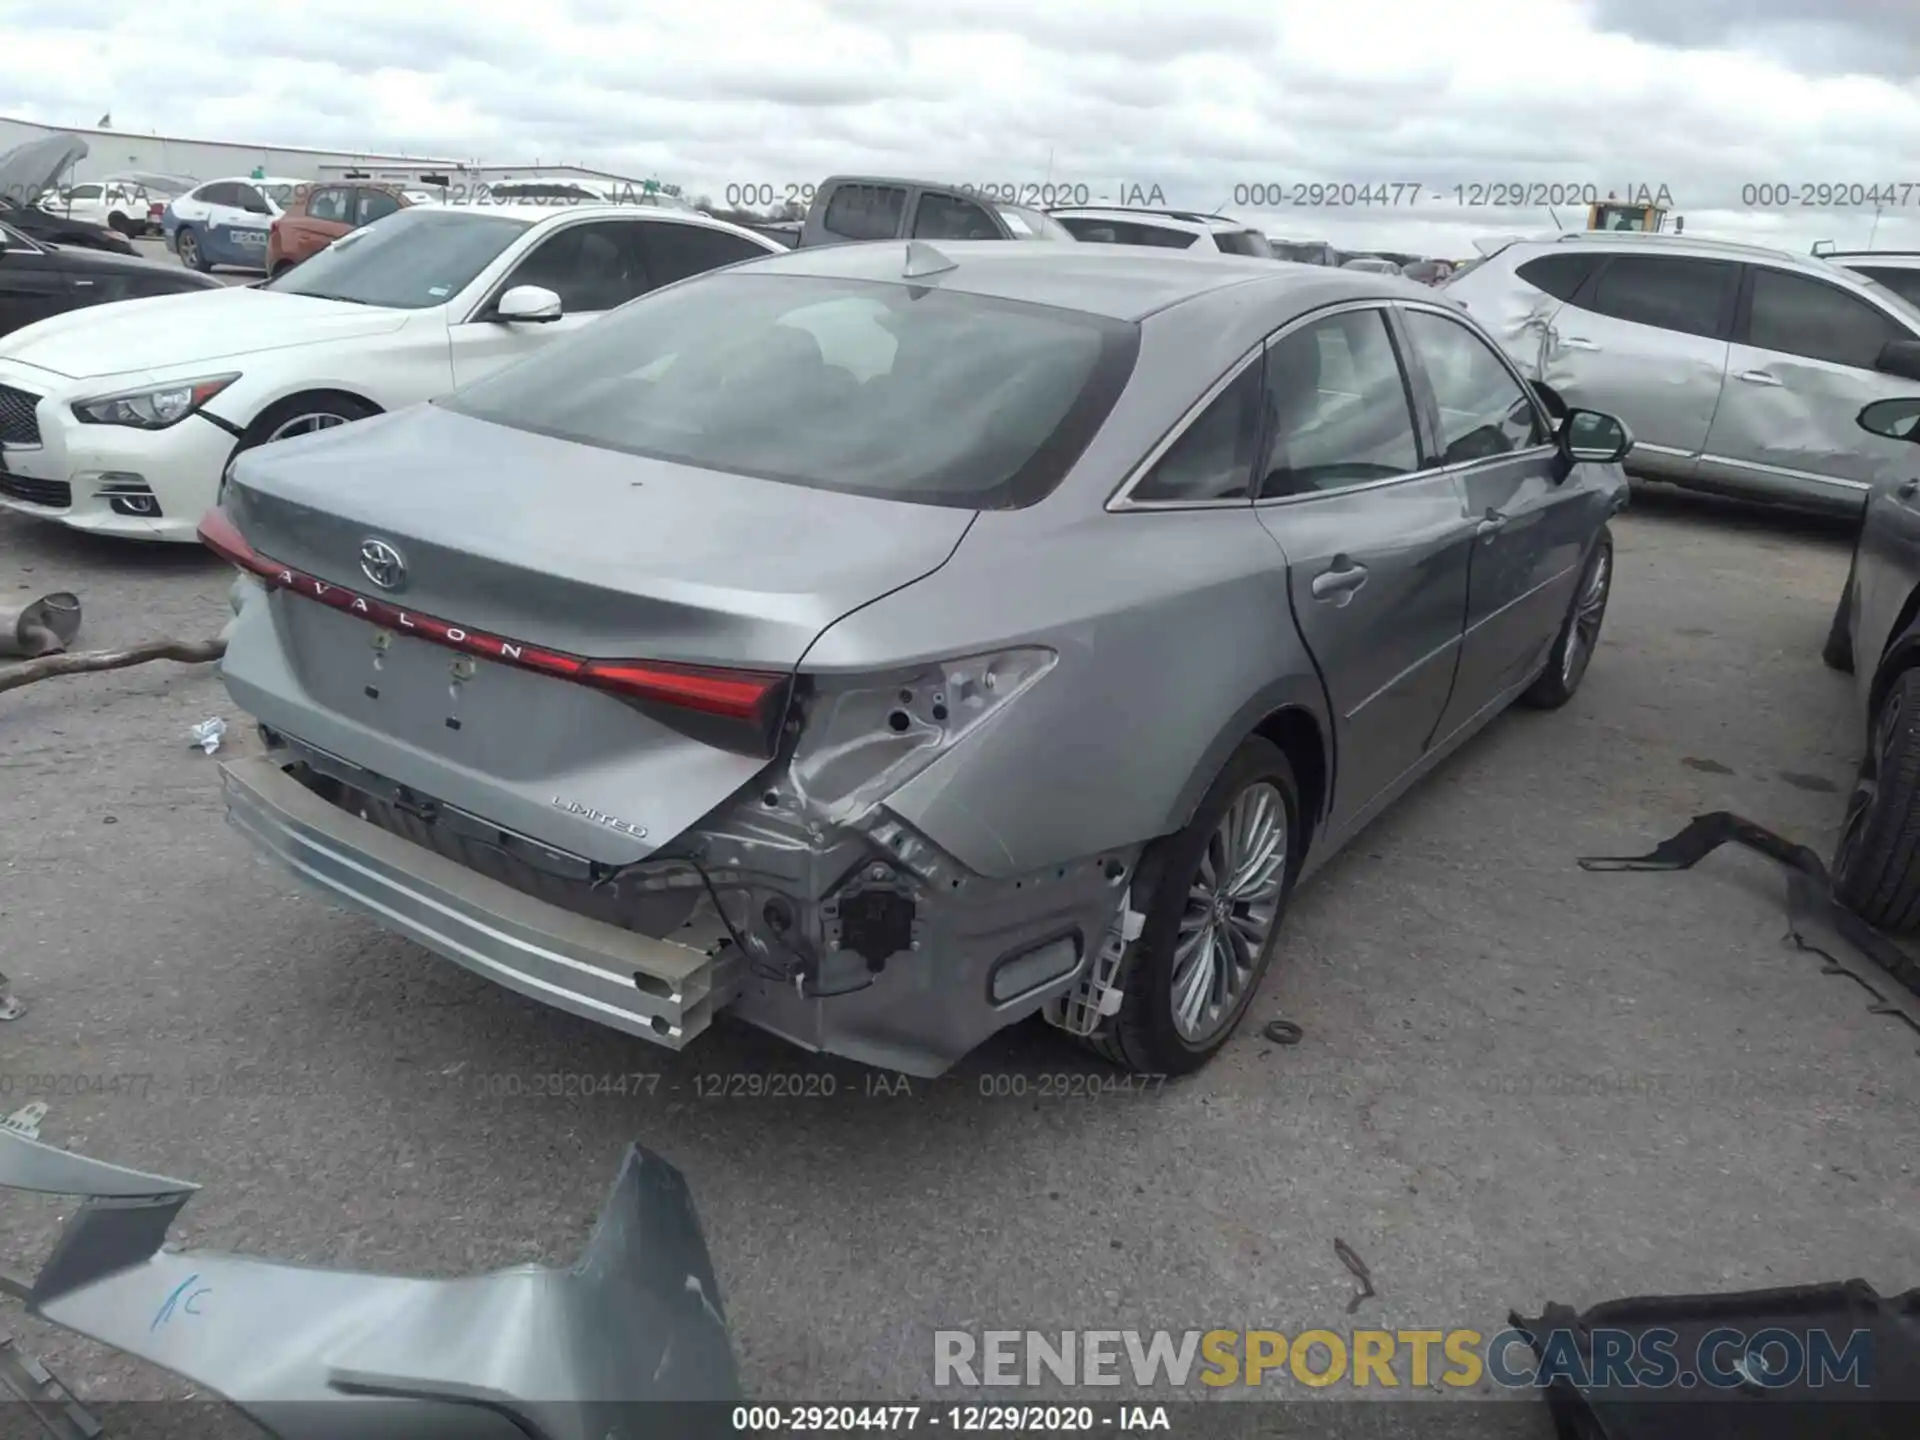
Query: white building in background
(112, 152)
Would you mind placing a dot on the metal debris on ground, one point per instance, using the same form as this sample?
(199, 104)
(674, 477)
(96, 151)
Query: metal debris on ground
(44, 627)
(1879, 966)
(208, 734)
(26, 1120)
(1358, 1269)
(11, 1006)
(48, 1401)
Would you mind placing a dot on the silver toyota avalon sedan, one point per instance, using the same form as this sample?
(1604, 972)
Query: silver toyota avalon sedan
(885, 643)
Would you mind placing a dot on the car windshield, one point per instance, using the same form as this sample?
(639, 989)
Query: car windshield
(904, 392)
(412, 259)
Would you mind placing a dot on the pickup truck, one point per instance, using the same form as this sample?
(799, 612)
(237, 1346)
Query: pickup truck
(851, 208)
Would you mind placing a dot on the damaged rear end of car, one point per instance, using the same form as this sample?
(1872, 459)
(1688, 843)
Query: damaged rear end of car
(531, 665)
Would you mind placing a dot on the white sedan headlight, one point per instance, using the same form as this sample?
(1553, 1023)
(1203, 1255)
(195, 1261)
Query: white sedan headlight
(152, 407)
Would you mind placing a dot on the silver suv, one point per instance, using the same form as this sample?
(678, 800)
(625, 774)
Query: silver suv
(1167, 229)
(1740, 369)
(1898, 270)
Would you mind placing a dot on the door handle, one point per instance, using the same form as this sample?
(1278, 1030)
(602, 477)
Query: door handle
(1491, 524)
(1758, 377)
(1342, 580)
(1579, 342)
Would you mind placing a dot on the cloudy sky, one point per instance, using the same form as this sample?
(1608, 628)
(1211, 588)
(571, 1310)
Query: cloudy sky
(1212, 103)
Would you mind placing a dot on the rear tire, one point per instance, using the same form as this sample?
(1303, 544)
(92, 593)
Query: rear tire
(1838, 651)
(1200, 946)
(186, 245)
(120, 225)
(1876, 868)
(1579, 633)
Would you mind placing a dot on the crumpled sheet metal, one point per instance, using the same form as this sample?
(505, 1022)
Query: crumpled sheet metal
(1815, 920)
(589, 1353)
(47, 626)
(1822, 1398)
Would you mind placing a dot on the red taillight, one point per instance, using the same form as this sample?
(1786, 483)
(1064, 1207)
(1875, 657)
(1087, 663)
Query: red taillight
(754, 698)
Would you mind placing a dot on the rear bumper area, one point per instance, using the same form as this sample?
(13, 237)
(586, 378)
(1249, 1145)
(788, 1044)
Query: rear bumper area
(655, 989)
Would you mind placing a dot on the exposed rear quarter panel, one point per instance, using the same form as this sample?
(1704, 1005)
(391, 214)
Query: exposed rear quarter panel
(1175, 639)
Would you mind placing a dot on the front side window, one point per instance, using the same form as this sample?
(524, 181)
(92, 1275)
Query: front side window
(897, 391)
(1798, 315)
(1484, 411)
(1337, 408)
(1559, 275)
(251, 200)
(948, 217)
(1672, 292)
(590, 267)
(866, 212)
(1213, 458)
(329, 204)
(421, 257)
(676, 251)
(1904, 283)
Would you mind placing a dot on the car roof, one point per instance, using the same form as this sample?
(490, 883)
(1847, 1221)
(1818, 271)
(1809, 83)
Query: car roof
(1120, 282)
(1191, 221)
(1700, 246)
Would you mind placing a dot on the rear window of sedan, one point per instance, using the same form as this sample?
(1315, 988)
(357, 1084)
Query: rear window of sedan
(893, 390)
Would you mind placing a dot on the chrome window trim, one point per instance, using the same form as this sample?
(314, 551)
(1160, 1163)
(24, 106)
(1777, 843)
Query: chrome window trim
(1121, 500)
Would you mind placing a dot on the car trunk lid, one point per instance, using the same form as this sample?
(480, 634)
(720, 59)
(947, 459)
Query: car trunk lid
(512, 561)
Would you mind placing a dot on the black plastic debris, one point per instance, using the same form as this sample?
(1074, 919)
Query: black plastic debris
(1815, 920)
(1833, 1361)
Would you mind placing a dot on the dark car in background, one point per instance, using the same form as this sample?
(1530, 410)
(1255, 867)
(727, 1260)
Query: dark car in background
(28, 172)
(39, 280)
(851, 208)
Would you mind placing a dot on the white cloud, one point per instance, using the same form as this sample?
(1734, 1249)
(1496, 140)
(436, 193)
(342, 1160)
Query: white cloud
(1202, 99)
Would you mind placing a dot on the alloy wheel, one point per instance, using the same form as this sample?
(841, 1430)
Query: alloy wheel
(1588, 611)
(1233, 901)
(304, 425)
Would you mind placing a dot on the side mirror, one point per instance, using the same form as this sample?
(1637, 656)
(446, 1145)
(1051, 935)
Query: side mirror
(1593, 437)
(527, 305)
(1896, 419)
(1899, 357)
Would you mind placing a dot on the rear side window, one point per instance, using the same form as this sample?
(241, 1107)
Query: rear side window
(896, 391)
(1904, 283)
(1673, 292)
(1558, 275)
(1798, 315)
(1337, 407)
(1244, 242)
(1126, 232)
(1213, 458)
(866, 212)
(221, 192)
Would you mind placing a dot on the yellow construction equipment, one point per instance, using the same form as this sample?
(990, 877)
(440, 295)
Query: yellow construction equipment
(1614, 213)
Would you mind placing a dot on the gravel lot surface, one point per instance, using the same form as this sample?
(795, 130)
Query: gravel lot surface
(1519, 1082)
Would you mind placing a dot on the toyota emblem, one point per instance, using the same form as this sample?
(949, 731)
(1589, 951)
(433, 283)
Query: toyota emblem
(382, 564)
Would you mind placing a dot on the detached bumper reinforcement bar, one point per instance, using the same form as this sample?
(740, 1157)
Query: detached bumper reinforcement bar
(655, 989)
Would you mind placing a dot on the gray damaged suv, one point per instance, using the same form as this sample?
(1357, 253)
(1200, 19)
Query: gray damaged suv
(885, 643)
(1739, 368)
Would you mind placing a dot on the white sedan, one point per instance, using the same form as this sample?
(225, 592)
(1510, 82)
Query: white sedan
(122, 419)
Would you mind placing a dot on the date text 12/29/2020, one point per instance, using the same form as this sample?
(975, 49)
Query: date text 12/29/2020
(910, 1419)
(1470, 195)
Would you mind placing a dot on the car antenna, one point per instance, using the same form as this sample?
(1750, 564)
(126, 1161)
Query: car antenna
(923, 259)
